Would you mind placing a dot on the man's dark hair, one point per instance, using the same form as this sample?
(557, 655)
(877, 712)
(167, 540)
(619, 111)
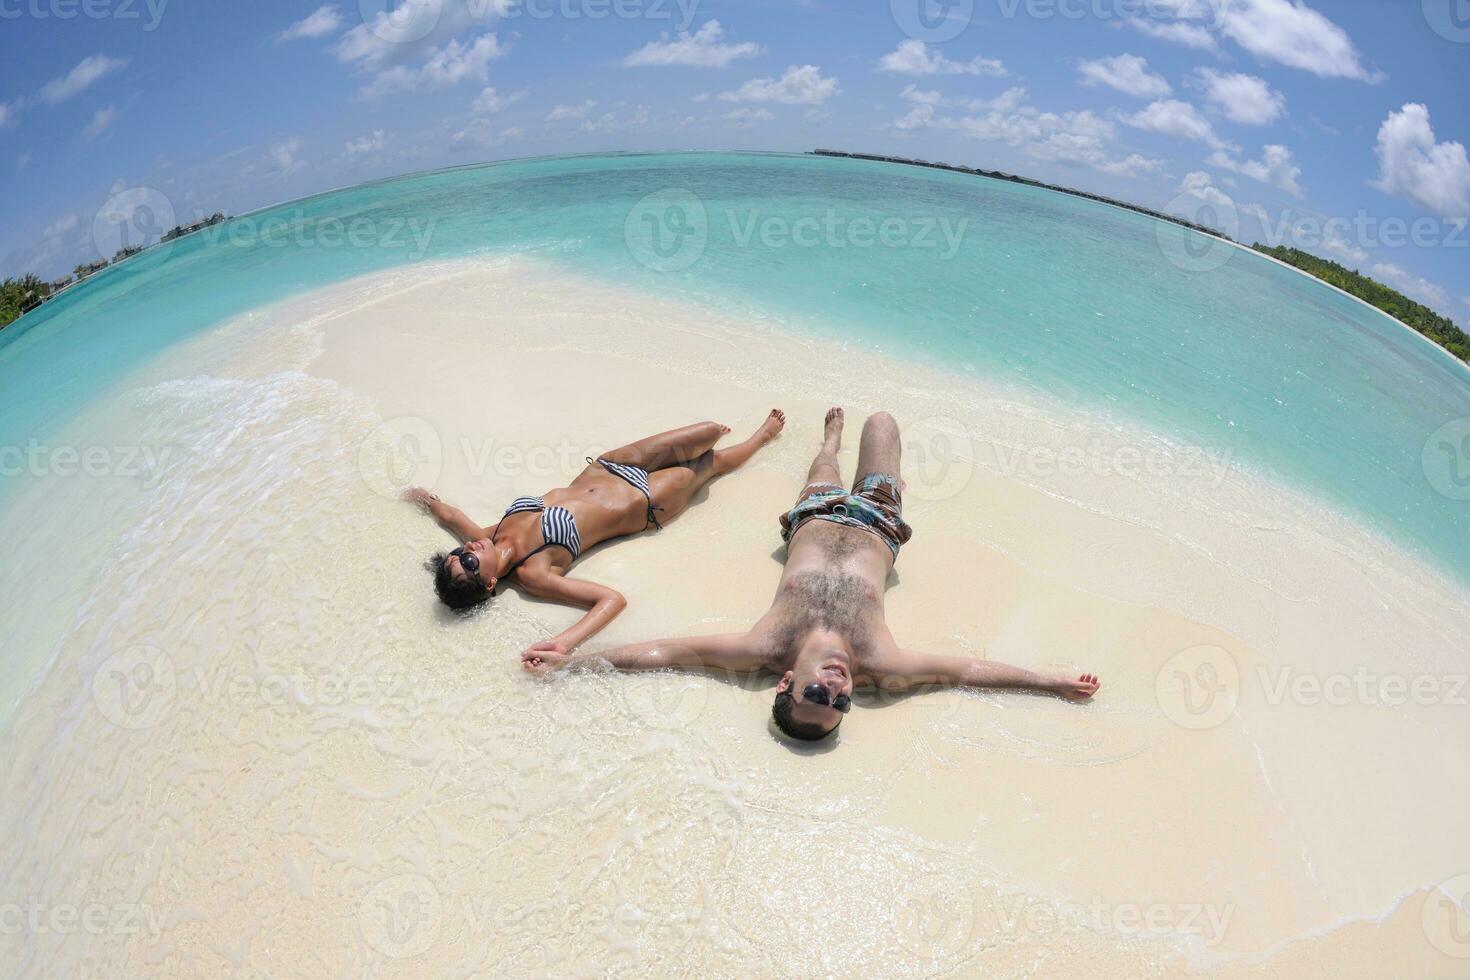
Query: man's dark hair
(807, 731)
(459, 594)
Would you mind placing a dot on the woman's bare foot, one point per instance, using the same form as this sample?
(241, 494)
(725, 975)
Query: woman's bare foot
(772, 426)
(724, 429)
(832, 433)
(1078, 689)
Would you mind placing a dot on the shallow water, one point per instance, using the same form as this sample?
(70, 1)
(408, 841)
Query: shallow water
(1092, 305)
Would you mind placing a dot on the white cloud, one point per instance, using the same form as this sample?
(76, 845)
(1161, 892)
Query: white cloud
(1010, 99)
(1275, 167)
(282, 155)
(1177, 32)
(1412, 164)
(489, 101)
(60, 226)
(372, 143)
(801, 85)
(102, 120)
(319, 23)
(745, 117)
(23, 160)
(702, 49)
(1198, 184)
(916, 58)
(450, 65)
(409, 31)
(561, 112)
(1415, 287)
(610, 122)
(1243, 98)
(1174, 118)
(87, 71)
(1293, 34)
(480, 132)
(8, 112)
(1064, 138)
(1334, 244)
(1127, 73)
(1284, 31)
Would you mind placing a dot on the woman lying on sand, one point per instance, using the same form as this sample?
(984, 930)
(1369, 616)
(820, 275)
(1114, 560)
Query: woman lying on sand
(537, 538)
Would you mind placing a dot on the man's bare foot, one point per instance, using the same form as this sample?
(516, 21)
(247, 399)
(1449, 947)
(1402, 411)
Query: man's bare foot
(832, 433)
(772, 426)
(1080, 689)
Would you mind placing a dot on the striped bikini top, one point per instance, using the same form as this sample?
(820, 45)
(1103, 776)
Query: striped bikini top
(558, 526)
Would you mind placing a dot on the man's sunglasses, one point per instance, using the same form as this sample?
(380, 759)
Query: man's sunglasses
(817, 694)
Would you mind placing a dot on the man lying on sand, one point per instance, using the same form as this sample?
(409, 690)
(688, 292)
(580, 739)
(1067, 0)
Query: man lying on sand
(825, 632)
(623, 492)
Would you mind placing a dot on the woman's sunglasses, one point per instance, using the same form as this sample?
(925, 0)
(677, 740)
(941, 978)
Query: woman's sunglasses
(469, 561)
(817, 694)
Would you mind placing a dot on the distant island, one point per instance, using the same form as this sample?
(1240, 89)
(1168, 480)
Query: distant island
(1416, 316)
(18, 296)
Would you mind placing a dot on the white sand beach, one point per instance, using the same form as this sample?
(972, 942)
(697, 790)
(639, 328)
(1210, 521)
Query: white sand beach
(269, 742)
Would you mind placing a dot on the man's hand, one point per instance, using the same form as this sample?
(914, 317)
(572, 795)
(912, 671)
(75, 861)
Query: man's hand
(545, 657)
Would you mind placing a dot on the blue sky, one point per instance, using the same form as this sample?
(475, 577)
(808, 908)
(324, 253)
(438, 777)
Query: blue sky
(1338, 127)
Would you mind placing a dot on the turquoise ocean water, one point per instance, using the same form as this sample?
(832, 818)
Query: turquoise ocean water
(1086, 303)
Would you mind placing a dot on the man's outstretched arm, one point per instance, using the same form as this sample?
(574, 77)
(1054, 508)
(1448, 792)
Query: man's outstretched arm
(736, 653)
(906, 669)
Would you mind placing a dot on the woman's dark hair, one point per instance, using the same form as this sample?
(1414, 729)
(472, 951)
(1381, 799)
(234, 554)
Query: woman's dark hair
(460, 593)
(807, 731)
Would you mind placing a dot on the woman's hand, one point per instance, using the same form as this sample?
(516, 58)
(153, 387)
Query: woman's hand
(418, 495)
(544, 657)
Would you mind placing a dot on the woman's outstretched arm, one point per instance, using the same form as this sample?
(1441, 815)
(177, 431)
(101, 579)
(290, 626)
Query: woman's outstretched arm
(449, 517)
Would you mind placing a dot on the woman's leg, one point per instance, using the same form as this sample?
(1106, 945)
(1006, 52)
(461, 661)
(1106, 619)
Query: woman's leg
(675, 486)
(673, 448)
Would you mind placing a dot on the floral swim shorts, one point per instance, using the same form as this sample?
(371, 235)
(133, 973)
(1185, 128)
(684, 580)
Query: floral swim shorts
(873, 505)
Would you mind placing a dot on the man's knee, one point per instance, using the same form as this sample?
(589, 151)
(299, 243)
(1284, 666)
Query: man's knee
(881, 422)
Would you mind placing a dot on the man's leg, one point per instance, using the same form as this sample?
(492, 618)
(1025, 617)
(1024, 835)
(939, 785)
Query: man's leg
(825, 468)
(880, 449)
(672, 448)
